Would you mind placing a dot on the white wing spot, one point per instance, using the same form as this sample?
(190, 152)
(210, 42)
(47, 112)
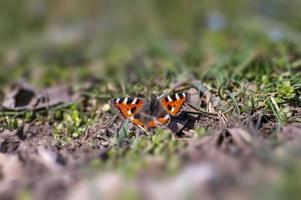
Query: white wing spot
(184, 95)
(134, 101)
(169, 98)
(173, 109)
(125, 100)
(177, 96)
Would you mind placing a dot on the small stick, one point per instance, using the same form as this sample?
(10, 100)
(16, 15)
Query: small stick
(199, 111)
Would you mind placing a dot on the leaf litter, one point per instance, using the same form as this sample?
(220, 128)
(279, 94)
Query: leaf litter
(229, 159)
(26, 97)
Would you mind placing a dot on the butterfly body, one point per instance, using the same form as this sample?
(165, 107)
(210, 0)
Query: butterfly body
(151, 112)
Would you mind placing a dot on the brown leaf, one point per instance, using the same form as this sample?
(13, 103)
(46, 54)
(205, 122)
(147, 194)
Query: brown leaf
(194, 97)
(26, 97)
(20, 97)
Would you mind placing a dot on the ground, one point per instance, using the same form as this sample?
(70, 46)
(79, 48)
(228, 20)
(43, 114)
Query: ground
(60, 139)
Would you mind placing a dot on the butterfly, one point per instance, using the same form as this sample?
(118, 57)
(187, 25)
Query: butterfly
(151, 112)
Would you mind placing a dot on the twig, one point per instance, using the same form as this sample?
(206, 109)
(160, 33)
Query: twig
(105, 124)
(199, 111)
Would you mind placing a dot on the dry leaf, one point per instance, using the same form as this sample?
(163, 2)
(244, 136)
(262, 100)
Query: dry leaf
(25, 97)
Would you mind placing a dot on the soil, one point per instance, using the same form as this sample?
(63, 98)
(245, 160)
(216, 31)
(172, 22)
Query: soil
(33, 161)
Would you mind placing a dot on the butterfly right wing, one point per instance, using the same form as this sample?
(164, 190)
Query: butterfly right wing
(173, 104)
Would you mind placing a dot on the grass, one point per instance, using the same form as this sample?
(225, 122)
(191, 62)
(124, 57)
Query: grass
(246, 82)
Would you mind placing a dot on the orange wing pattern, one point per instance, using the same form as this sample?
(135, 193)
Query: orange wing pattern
(128, 106)
(150, 125)
(131, 108)
(136, 122)
(163, 120)
(174, 103)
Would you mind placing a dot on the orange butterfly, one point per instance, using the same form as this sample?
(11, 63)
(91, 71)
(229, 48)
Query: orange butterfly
(152, 112)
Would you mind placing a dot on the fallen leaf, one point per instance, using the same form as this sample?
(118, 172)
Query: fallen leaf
(26, 97)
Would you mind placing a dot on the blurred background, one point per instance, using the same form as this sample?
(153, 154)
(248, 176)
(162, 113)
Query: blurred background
(102, 37)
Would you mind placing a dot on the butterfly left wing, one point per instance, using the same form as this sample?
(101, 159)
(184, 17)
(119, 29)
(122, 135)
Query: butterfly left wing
(128, 106)
(174, 103)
